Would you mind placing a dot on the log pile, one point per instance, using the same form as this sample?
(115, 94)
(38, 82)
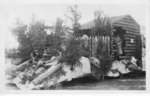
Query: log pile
(34, 73)
(46, 74)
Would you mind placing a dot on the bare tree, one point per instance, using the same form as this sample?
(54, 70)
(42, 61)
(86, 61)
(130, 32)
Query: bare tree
(75, 16)
(59, 26)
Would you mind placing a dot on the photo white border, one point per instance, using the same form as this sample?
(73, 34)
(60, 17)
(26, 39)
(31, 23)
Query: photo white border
(5, 3)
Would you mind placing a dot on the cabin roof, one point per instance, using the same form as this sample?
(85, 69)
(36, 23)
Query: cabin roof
(116, 21)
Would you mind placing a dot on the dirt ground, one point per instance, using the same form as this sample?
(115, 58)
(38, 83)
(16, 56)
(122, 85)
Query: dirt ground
(109, 84)
(127, 82)
(133, 81)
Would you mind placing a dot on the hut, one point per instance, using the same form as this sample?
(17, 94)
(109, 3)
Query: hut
(123, 40)
(129, 32)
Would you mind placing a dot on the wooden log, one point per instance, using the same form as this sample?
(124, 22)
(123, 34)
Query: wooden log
(124, 57)
(47, 73)
(133, 32)
(128, 28)
(130, 20)
(129, 35)
(130, 54)
(128, 38)
(127, 24)
(114, 50)
(133, 45)
(22, 66)
(39, 70)
(129, 50)
(129, 42)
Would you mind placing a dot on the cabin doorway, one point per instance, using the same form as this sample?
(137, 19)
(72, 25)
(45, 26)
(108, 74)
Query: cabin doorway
(118, 42)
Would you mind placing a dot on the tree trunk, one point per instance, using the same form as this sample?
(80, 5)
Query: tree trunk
(46, 74)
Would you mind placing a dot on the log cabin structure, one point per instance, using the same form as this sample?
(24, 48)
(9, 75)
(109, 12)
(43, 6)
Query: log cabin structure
(122, 42)
(129, 32)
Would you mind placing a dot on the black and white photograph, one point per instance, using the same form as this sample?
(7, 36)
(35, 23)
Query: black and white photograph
(75, 46)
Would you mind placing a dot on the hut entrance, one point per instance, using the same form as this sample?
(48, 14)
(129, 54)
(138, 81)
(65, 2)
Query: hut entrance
(118, 42)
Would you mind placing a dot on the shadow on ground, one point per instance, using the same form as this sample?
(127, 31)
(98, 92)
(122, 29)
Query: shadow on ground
(130, 81)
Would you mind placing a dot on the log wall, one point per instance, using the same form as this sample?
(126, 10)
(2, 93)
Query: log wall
(132, 32)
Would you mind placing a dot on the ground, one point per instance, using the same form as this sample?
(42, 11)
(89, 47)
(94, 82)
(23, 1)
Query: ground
(111, 84)
(126, 82)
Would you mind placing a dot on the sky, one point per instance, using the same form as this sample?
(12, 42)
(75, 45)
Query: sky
(50, 12)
